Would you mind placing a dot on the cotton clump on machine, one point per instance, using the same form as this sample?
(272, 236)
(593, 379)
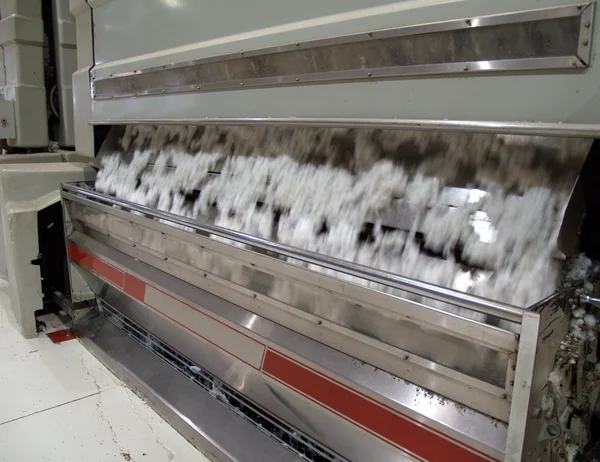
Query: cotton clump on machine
(344, 226)
(422, 205)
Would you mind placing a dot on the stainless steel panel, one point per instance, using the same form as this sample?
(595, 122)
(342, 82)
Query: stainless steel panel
(218, 432)
(486, 397)
(497, 309)
(468, 426)
(540, 39)
(263, 275)
(358, 310)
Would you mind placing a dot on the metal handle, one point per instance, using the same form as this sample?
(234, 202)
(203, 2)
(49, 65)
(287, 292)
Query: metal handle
(591, 300)
(481, 305)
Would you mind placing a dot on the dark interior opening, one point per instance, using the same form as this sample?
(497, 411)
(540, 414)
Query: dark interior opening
(53, 252)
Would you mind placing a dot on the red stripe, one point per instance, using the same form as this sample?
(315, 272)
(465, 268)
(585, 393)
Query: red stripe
(396, 429)
(100, 267)
(134, 287)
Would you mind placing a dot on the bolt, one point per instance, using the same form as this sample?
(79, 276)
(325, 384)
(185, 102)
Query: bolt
(585, 43)
(512, 382)
(405, 358)
(579, 7)
(164, 91)
(297, 79)
(242, 53)
(468, 21)
(574, 63)
(297, 44)
(205, 275)
(369, 74)
(504, 396)
(513, 367)
(466, 68)
(253, 295)
(370, 34)
(198, 88)
(242, 84)
(319, 322)
(587, 24)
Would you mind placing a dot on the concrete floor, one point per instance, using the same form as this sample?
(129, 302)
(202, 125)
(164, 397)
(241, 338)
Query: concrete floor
(58, 403)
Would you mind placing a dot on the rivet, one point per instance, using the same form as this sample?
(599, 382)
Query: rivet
(164, 91)
(468, 21)
(585, 43)
(253, 295)
(242, 53)
(198, 88)
(319, 322)
(466, 68)
(405, 358)
(587, 24)
(297, 44)
(579, 7)
(512, 382)
(297, 79)
(242, 84)
(369, 74)
(504, 396)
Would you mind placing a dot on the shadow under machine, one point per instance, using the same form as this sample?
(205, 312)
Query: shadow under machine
(343, 230)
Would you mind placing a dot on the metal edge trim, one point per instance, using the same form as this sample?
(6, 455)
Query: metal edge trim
(560, 62)
(499, 310)
(442, 26)
(519, 409)
(473, 126)
(586, 25)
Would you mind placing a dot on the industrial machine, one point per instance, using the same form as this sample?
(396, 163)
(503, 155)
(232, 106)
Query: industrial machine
(332, 230)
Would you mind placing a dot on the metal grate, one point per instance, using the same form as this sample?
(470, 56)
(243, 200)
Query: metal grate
(287, 436)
